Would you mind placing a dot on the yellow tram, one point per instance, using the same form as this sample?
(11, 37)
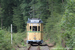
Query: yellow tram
(34, 31)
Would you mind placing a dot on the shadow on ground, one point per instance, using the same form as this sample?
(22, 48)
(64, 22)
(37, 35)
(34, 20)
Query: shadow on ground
(39, 45)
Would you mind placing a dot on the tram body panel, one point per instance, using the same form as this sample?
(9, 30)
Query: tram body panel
(34, 36)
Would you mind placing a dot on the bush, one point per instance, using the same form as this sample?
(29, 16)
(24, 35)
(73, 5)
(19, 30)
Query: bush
(5, 40)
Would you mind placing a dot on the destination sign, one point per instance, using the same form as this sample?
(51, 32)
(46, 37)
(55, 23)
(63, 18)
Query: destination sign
(34, 20)
(34, 24)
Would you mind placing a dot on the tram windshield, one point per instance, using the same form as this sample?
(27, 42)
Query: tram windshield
(34, 28)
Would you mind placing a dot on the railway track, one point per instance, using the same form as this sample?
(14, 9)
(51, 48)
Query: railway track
(38, 47)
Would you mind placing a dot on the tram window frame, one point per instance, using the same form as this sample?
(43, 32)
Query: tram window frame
(30, 28)
(38, 28)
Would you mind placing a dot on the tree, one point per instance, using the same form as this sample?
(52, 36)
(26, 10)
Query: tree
(18, 20)
(68, 25)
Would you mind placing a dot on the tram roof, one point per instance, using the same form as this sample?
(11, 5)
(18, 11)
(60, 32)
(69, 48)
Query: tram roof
(34, 20)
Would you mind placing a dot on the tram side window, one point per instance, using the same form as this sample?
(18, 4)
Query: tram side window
(34, 28)
(38, 28)
(30, 28)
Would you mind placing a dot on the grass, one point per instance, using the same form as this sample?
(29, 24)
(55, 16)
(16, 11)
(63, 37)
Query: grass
(58, 48)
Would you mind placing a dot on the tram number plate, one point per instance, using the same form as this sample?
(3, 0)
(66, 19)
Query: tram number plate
(34, 38)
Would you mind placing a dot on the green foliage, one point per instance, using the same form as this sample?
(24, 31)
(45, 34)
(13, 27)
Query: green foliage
(18, 19)
(5, 40)
(25, 8)
(59, 48)
(18, 37)
(68, 24)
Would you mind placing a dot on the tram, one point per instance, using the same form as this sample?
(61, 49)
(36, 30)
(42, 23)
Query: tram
(34, 31)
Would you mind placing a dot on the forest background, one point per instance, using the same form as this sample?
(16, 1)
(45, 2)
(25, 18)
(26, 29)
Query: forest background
(58, 17)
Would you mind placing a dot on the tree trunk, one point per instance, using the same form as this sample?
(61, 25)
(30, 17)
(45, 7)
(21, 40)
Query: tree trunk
(1, 18)
(62, 1)
(63, 43)
(1, 23)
